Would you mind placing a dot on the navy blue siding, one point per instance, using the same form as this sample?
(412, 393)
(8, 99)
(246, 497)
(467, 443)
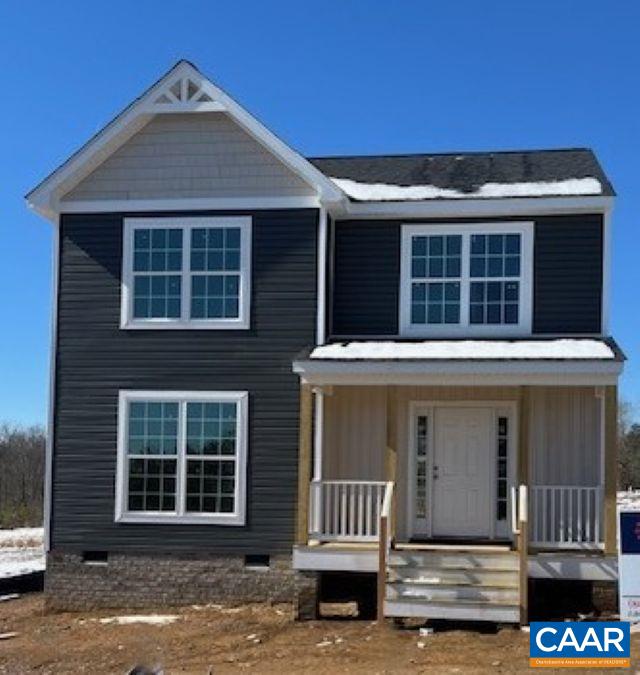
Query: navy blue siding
(366, 275)
(567, 276)
(95, 359)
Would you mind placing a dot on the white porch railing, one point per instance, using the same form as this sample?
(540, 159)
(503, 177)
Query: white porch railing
(566, 516)
(345, 510)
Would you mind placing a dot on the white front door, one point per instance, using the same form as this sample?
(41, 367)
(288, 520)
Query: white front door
(463, 473)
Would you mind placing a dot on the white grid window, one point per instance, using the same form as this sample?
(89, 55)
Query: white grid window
(495, 278)
(435, 279)
(182, 457)
(466, 279)
(186, 273)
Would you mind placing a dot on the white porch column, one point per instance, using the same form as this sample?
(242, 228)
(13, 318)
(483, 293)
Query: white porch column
(318, 432)
(318, 442)
(602, 440)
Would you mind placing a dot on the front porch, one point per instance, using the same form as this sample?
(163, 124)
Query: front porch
(388, 467)
(454, 458)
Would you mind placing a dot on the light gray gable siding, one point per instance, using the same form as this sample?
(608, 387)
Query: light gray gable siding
(190, 155)
(95, 359)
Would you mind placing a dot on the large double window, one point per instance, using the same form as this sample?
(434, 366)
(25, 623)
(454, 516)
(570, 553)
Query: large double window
(186, 272)
(182, 457)
(468, 279)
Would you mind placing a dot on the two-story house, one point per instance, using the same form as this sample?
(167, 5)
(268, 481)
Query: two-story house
(267, 367)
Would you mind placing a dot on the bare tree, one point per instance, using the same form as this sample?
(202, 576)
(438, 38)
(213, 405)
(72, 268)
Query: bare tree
(22, 464)
(628, 449)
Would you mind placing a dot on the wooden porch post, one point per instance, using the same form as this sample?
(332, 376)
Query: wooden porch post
(391, 455)
(610, 468)
(523, 519)
(523, 436)
(305, 433)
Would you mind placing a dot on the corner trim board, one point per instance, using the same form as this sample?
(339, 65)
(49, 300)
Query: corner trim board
(321, 266)
(53, 351)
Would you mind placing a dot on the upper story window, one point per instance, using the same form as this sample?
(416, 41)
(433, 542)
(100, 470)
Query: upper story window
(182, 457)
(467, 279)
(186, 272)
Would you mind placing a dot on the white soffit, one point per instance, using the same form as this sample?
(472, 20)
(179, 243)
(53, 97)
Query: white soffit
(182, 90)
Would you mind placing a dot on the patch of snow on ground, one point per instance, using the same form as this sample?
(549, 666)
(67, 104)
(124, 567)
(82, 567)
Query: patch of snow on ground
(467, 349)
(22, 536)
(21, 551)
(385, 192)
(15, 562)
(629, 499)
(150, 619)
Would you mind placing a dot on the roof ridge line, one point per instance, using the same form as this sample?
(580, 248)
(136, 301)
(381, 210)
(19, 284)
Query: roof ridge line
(452, 153)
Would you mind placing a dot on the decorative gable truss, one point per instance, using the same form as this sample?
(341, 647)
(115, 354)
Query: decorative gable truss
(184, 89)
(185, 94)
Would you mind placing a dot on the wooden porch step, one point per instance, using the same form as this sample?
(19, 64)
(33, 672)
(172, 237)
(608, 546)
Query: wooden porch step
(457, 610)
(456, 582)
(401, 590)
(485, 576)
(460, 560)
(459, 548)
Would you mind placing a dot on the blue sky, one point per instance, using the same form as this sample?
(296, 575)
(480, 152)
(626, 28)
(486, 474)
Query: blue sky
(329, 78)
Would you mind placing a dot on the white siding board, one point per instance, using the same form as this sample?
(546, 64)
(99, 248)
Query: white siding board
(355, 433)
(189, 155)
(565, 436)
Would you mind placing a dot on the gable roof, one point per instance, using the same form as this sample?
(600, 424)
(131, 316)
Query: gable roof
(339, 180)
(183, 89)
(528, 173)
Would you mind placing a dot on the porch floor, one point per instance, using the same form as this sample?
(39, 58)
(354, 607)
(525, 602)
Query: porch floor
(409, 546)
(363, 557)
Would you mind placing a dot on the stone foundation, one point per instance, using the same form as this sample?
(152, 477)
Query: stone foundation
(149, 580)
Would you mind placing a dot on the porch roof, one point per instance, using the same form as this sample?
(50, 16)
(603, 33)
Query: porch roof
(579, 361)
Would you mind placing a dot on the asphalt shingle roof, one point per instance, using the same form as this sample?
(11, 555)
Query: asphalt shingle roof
(467, 171)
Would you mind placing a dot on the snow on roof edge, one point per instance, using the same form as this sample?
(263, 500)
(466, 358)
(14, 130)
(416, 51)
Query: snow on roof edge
(560, 349)
(589, 186)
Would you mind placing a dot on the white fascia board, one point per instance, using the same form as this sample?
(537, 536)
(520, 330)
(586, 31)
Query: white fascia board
(573, 565)
(473, 373)
(188, 204)
(45, 197)
(459, 208)
(322, 559)
(459, 380)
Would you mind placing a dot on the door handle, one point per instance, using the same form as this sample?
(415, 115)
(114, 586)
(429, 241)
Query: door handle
(435, 473)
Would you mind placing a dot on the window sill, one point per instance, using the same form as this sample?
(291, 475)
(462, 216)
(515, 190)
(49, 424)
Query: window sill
(162, 519)
(467, 332)
(235, 324)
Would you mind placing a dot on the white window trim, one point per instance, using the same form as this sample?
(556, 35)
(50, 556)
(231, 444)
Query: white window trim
(237, 517)
(464, 328)
(187, 224)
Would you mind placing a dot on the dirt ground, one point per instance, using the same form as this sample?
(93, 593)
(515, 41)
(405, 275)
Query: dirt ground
(258, 638)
